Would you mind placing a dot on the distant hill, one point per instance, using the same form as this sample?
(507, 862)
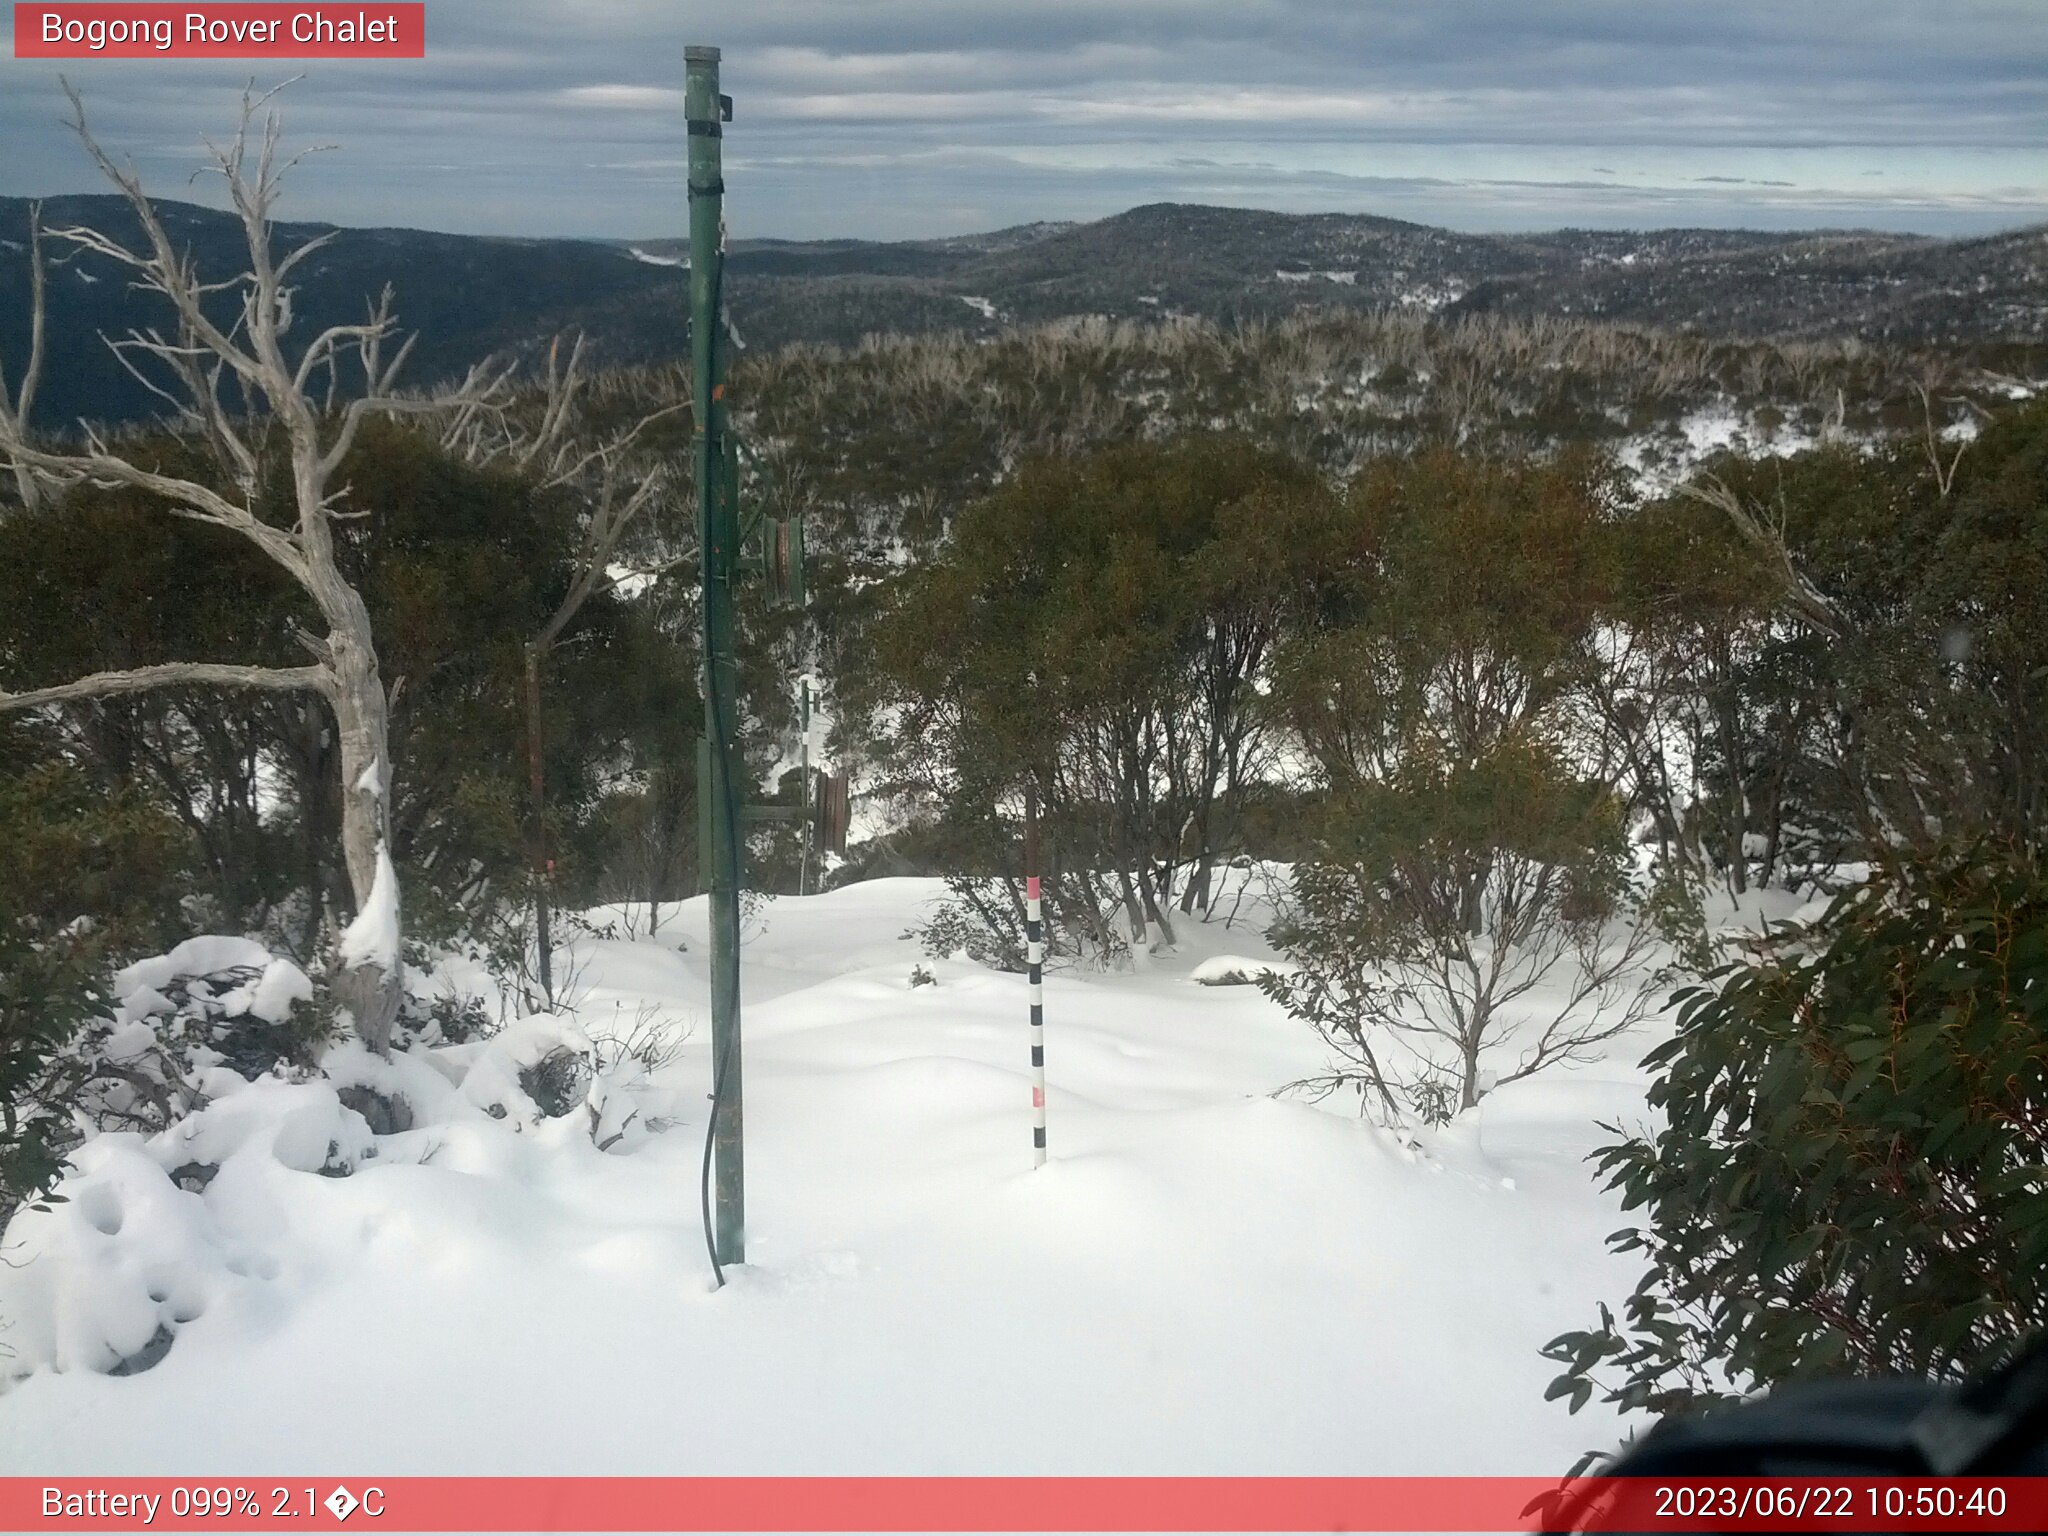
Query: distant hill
(1903, 289)
(467, 297)
(470, 296)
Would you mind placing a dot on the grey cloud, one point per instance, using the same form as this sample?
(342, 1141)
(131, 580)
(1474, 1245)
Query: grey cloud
(924, 116)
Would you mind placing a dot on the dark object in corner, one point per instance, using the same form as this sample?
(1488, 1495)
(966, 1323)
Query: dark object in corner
(1995, 1425)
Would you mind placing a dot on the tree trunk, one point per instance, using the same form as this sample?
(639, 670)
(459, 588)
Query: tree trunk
(1134, 913)
(1468, 1088)
(1156, 914)
(538, 811)
(1738, 843)
(318, 832)
(368, 977)
(1472, 902)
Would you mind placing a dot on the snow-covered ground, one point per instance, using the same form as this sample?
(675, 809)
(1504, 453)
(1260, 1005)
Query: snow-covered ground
(1203, 1279)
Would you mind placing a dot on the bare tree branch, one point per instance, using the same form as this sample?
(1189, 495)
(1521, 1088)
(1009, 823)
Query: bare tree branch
(174, 674)
(1756, 529)
(608, 524)
(163, 270)
(1944, 474)
(188, 498)
(14, 415)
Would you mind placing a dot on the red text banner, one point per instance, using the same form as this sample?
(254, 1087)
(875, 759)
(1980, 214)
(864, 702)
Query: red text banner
(217, 31)
(1844, 1504)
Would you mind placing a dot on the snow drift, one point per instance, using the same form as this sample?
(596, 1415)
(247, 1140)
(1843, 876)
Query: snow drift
(1204, 1279)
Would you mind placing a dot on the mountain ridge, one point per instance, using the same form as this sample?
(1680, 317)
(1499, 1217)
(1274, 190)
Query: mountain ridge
(471, 296)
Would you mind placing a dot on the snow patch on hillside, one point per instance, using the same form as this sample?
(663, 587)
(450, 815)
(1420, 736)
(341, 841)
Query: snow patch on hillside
(1432, 296)
(1659, 459)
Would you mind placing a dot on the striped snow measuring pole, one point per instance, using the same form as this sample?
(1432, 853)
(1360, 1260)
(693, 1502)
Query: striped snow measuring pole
(1034, 939)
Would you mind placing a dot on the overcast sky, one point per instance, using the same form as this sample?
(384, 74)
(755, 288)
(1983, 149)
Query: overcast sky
(899, 118)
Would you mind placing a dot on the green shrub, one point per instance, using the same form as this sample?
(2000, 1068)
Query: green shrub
(1851, 1178)
(47, 991)
(89, 873)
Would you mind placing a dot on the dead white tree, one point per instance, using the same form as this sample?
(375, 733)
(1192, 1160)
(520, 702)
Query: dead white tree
(1944, 473)
(314, 439)
(557, 451)
(14, 411)
(1764, 532)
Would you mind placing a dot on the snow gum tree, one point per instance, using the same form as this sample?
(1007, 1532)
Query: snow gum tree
(227, 340)
(1467, 853)
(1847, 1169)
(1824, 659)
(1101, 626)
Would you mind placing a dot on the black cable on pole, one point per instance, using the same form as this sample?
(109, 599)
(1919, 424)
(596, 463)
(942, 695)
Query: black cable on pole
(719, 1068)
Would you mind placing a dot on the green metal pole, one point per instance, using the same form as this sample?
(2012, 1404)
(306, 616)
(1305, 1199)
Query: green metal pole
(718, 537)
